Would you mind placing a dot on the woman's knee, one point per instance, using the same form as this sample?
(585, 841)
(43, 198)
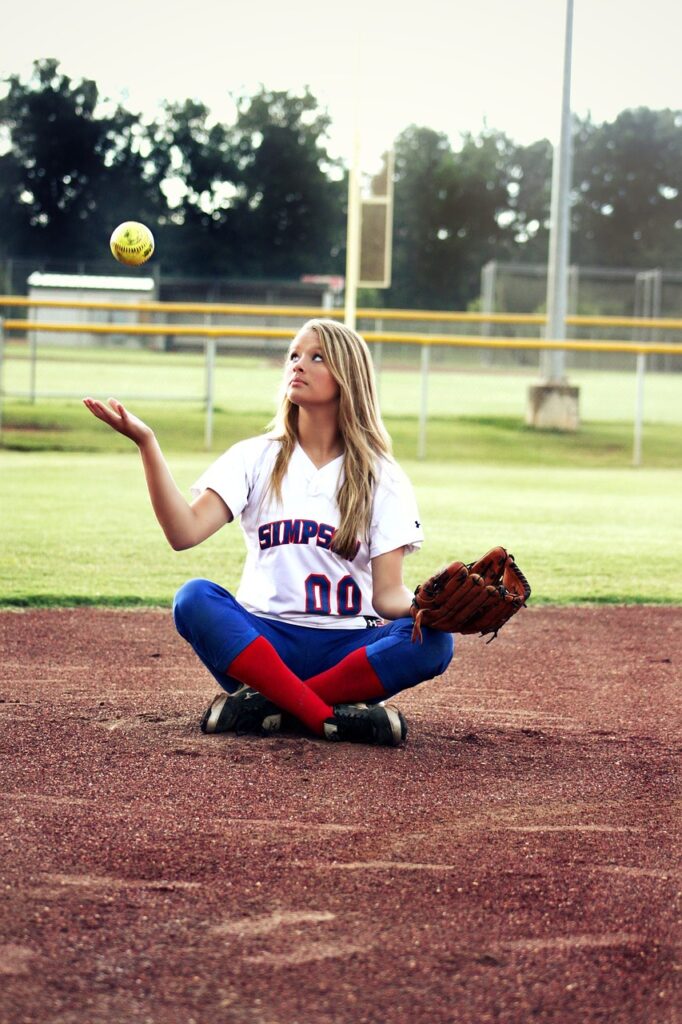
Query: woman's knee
(437, 650)
(411, 661)
(190, 602)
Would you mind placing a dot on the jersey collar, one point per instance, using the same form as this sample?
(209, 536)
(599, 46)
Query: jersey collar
(325, 480)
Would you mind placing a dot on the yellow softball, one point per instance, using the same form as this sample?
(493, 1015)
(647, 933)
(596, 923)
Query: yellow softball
(132, 243)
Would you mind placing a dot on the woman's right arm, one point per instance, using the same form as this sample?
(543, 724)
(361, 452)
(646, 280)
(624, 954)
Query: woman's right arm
(184, 525)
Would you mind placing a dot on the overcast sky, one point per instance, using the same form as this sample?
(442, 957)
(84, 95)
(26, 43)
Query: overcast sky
(447, 64)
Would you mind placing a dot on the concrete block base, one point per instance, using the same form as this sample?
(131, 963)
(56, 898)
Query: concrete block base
(553, 406)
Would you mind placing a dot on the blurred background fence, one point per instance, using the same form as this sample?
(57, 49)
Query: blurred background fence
(56, 348)
(592, 291)
(514, 288)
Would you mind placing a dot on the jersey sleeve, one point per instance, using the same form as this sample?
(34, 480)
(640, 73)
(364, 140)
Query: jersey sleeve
(395, 519)
(231, 475)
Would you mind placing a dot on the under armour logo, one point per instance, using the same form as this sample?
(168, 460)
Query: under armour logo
(417, 523)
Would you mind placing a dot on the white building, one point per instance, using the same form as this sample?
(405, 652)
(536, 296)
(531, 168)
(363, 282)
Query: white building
(100, 291)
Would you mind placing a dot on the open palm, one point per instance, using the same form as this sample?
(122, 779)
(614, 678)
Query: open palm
(115, 415)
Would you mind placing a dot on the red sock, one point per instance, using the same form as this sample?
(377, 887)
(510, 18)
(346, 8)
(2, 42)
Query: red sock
(349, 682)
(260, 666)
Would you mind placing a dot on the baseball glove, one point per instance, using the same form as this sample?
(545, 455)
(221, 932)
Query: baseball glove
(475, 598)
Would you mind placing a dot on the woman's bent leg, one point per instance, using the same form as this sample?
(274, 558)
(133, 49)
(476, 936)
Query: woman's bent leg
(232, 645)
(401, 663)
(377, 663)
(215, 625)
(238, 647)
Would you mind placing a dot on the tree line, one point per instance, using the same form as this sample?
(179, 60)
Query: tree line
(260, 197)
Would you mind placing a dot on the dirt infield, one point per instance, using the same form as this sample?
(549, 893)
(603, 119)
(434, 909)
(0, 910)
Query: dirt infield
(518, 861)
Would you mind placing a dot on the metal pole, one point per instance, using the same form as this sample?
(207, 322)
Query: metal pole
(554, 361)
(33, 354)
(352, 245)
(353, 222)
(488, 276)
(639, 409)
(639, 283)
(377, 355)
(572, 289)
(648, 298)
(572, 283)
(661, 362)
(210, 390)
(2, 364)
(421, 448)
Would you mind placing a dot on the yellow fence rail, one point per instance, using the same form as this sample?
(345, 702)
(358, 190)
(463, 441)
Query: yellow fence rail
(395, 337)
(210, 334)
(307, 312)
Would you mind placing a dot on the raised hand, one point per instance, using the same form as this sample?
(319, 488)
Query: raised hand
(115, 415)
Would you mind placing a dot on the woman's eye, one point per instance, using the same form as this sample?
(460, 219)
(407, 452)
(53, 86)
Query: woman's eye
(293, 355)
(317, 356)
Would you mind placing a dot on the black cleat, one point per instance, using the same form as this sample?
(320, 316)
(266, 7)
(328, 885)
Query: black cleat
(244, 712)
(380, 725)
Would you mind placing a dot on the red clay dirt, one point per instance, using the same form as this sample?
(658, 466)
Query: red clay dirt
(517, 861)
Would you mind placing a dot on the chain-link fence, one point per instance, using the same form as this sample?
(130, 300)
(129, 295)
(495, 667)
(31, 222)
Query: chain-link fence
(505, 288)
(592, 291)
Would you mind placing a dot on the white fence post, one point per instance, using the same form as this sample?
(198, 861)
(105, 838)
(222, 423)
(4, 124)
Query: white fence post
(33, 353)
(639, 409)
(421, 447)
(377, 354)
(2, 364)
(488, 283)
(210, 390)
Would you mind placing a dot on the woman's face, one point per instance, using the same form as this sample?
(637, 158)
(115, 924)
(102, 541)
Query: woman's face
(308, 379)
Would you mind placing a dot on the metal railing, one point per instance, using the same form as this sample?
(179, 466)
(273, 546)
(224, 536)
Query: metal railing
(416, 315)
(640, 349)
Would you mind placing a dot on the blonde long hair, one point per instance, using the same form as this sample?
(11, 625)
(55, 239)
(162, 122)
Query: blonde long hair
(365, 438)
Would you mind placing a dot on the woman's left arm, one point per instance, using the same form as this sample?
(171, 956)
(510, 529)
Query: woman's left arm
(390, 596)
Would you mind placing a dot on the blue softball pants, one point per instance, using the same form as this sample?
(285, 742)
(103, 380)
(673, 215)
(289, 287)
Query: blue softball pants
(213, 622)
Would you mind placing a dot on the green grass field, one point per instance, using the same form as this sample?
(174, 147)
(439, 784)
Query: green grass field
(475, 415)
(584, 524)
(78, 528)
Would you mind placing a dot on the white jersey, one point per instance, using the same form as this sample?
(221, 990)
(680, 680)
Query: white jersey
(290, 572)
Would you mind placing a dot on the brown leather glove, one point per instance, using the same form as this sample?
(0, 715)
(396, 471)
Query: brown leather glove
(475, 598)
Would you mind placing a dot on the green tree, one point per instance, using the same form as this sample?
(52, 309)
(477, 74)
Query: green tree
(257, 198)
(627, 201)
(530, 174)
(194, 162)
(260, 197)
(450, 213)
(289, 211)
(68, 174)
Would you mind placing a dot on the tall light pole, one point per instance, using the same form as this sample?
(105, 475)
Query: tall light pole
(353, 227)
(554, 361)
(553, 403)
